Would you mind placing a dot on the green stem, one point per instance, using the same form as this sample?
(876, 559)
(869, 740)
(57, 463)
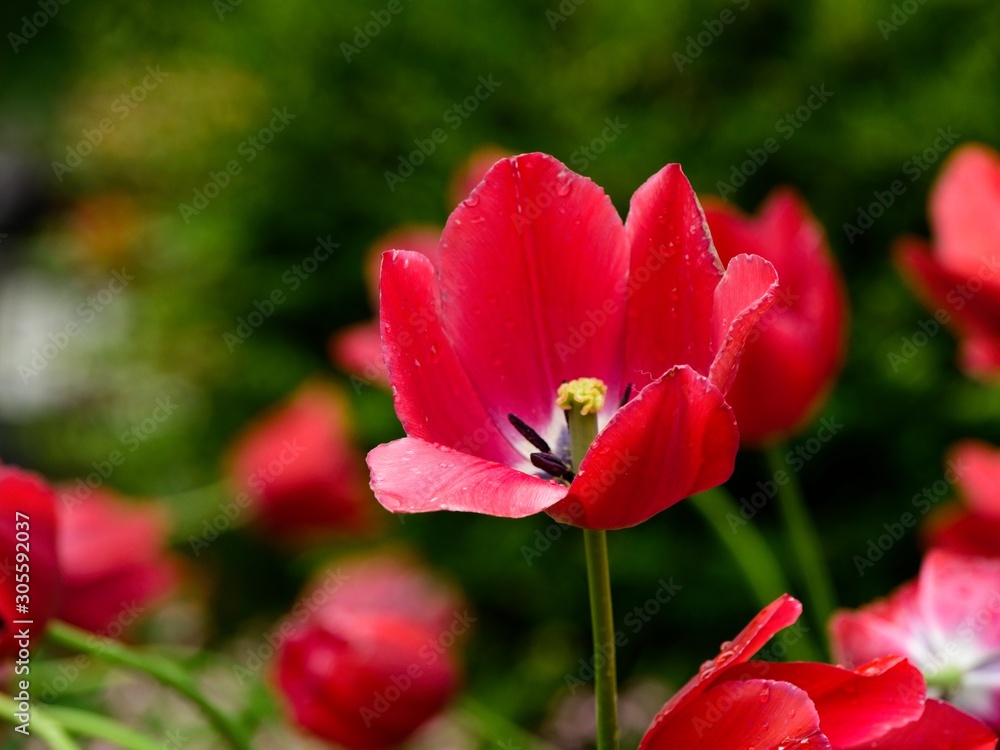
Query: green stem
(101, 727)
(492, 726)
(41, 725)
(803, 539)
(163, 670)
(750, 550)
(582, 431)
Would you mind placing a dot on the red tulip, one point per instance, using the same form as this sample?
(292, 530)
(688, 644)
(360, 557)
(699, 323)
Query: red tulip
(300, 469)
(947, 623)
(960, 277)
(114, 560)
(369, 663)
(975, 529)
(734, 703)
(537, 282)
(30, 584)
(792, 358)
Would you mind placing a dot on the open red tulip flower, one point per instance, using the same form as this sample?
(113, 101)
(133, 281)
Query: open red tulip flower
(299, 469)
(960, 277)
(793, 356)
(114, 559)
(975, 528)
(734, 703)
(947, 623)
(30, 585)
(538, 300)
(372, 653)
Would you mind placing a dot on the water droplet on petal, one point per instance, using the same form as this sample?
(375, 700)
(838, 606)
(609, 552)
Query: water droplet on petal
(564, 188)
(472, 201)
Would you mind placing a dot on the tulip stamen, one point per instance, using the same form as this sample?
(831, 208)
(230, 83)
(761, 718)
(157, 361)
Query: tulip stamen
(529, 434)
(585, 394)
(551, 464)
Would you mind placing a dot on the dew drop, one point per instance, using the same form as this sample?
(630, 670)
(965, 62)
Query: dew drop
(564, 189)
(472, 201)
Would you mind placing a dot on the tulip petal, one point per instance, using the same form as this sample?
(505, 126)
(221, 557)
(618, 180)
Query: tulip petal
(758, 714)
(532, 266)
(673, 273)
(745, 293)
(959, 598)
(779, 614)
(414, 476)
(886, 626)
(855, 706)
(977, 469)
(975, 316)
(941, 727)
(965, 209)
(676, 438)
(433, 396)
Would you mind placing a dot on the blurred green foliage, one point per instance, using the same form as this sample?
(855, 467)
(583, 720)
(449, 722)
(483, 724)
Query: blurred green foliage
(324, 175)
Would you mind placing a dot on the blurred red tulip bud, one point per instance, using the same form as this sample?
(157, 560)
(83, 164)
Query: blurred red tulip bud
(373, 654)
(114, 559)
(299, 470)
(792, 358)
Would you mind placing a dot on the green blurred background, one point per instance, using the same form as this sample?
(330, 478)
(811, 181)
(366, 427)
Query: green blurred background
(562, 70)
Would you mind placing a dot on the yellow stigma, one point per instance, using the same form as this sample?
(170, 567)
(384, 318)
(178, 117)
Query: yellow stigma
(587, 394)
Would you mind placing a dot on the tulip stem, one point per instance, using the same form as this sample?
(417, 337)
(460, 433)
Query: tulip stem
(41, 725)
(159, 668)
(582, 431)
(803, 539)
(101, 727)
(753, 555)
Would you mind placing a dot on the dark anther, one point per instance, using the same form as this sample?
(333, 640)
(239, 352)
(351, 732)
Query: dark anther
(529, 434)
(550, 464)
(626, 395)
